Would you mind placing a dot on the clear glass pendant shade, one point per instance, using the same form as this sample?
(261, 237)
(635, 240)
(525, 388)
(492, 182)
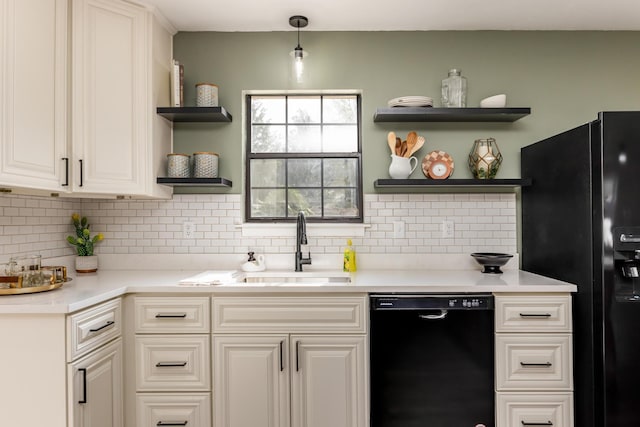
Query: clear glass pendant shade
(297, 64)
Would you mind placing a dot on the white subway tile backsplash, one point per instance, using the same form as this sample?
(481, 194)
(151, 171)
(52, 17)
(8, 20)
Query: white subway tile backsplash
(482, 222)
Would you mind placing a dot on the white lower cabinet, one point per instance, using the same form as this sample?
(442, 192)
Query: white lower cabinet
(534, 361)
(251, 372)
(96, 388)
(95, 368)
(309, 379)
(172, 361)
(328, 381)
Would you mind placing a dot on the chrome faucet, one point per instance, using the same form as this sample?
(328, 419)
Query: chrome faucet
(301, 239)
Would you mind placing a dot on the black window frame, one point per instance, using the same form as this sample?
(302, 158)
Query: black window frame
(307, 155)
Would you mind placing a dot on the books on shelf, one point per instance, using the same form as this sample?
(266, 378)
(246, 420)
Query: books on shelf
(177, 84)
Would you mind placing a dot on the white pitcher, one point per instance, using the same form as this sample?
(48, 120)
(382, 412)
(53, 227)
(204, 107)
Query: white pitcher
(401, 167)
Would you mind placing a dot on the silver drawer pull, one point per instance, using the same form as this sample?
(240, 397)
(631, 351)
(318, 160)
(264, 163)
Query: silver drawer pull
(171, 316)
(106, 325)
(171, 423)
(544, 365)
(535, 314)
(548, 423)
(170, 364)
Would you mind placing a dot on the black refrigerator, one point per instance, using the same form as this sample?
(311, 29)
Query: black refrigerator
(581, 224)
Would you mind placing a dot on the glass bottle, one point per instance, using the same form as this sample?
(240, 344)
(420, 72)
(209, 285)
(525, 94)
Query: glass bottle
(454, 90)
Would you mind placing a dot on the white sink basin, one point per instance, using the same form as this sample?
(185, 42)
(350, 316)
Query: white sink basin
(303, 277)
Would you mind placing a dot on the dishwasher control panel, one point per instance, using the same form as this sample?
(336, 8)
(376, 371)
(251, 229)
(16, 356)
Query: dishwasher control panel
(431, 302)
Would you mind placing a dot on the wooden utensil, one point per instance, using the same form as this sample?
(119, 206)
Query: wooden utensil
(419, 144)
(412, 139)
(391, 140)
(403, 148)
(398, 145)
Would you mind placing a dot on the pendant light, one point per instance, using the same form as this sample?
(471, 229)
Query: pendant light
(298, 53)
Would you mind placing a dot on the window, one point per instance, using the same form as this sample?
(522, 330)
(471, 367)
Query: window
(303, 154)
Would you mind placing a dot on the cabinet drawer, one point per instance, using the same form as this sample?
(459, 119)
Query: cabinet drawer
(171, 315)
(534, 313)
(289, 314)
(172, 363)
(189, 410)
(534, 362)
(92, 327)
(534, 410)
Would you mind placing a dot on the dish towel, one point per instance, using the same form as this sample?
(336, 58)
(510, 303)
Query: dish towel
(211, 277)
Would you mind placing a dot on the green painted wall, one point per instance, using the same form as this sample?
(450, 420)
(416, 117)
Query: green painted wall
(565, 77)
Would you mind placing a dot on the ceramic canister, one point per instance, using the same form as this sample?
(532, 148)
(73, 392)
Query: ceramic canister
(206, 95)
(177, 165)
(205, 164)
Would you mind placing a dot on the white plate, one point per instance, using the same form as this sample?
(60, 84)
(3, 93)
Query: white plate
(411, 101)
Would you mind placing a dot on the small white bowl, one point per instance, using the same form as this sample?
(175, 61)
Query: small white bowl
(495, 101)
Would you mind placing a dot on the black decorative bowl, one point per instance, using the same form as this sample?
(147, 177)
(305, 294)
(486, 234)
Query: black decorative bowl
(491, 261)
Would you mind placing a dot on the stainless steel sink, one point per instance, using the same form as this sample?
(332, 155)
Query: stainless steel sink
(305, 277)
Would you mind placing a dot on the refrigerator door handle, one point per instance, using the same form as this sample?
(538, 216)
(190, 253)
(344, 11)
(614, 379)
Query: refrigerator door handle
(629, 238)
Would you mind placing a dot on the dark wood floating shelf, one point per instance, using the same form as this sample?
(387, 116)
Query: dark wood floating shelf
(194, 182)
(429, 114)
(195, 114)
(453, 183)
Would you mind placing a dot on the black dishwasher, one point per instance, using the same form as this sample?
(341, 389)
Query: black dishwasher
(432, 360)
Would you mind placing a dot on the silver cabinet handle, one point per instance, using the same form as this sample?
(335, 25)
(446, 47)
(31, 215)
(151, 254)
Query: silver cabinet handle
(545, 365)
(171, 423)
(548, 423)
(629, 238)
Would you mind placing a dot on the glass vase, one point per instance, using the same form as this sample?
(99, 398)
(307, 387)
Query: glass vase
(485, 158)
(454, 90)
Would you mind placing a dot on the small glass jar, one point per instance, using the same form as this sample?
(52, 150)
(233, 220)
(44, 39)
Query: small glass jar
(454, 90)
(28, 269)
(205, 164)
(485, 158)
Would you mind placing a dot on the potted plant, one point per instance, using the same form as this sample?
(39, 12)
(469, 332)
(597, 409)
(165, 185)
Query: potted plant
(86, 261)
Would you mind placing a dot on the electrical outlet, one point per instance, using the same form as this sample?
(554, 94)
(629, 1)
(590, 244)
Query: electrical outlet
(447, 229)
(398, 229)
(188, 230)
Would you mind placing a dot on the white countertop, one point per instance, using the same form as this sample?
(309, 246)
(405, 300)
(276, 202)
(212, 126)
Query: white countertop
(89, 289)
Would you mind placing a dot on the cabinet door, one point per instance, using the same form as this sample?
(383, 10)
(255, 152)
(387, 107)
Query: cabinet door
(329, 381)
(95, 397)
(33, 71)
(109, 93)
(251, 381)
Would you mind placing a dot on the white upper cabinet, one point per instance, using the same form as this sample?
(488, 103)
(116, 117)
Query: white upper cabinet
(83, 120)
(33, 94)
(118, 141)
